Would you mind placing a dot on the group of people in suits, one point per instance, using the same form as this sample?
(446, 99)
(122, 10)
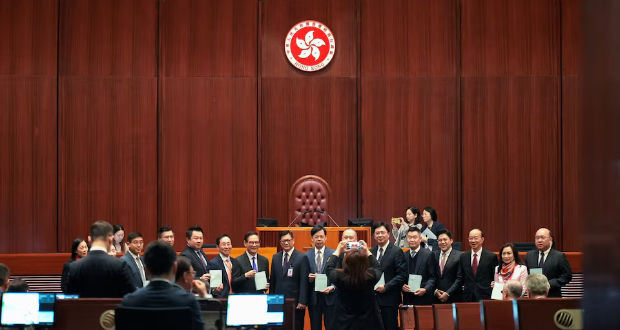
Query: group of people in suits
(447, 275)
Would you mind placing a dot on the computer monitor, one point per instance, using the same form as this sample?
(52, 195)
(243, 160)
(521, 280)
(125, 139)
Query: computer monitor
(27, 308)
(255, 310)
(264, 222)
(360, 222)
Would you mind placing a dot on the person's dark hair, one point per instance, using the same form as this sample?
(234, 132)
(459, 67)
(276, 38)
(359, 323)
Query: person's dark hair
(412, 229)
(159, 258)
(118, 228)
(380, 224)
(183, 265)
(219, 238)
(515, 253)
(162, 230)
(552, 239)
(356, 269)
(286, 232)
(317, 229)
(101, 230)
(446, 232)
(415, 211)
(133, 235)
(432, 212)
(191, 230)
(5, 273)
(74, 247)
(18, 285)
(250, 233)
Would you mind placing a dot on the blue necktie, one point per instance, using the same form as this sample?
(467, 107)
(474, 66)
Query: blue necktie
(254, 264)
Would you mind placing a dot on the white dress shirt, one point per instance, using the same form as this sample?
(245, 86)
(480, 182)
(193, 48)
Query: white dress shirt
(478, 253)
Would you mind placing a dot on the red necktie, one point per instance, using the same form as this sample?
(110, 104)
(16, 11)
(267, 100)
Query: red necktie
(474, 264)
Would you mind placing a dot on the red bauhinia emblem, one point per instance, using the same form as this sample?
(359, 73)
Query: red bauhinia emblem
(310, 45)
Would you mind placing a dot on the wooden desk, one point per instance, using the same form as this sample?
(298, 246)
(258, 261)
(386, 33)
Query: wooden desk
(406, 317)
(85, 313)
(270, 236)
(539, 313)
(497, 315)
(444, 316)
(424, 318)
(467, 316)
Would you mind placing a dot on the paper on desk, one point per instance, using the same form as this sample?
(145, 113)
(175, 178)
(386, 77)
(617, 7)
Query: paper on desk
(260, 279)
(414, 282)
(216, 278)
(497, 291)
(381, 281)
(535, 270)
(320, 282)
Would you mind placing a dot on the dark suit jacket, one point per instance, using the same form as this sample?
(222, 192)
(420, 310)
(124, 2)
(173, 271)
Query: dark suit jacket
(135, 271)
(451, 281)
(556, 268)
(330, 298)
(425, 266)
(394, 273)
(199, 268)
(241, 284)
(160, 294)
(291, 287)
(64, 279)
(218, 264)
(479, 286)
(99, 275)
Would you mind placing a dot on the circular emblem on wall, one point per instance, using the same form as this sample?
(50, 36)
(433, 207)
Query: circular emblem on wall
(310, 45)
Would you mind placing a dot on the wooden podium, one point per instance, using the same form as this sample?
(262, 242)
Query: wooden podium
(270, 236)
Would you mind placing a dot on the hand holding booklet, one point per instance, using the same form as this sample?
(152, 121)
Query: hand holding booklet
(414, 282)
(497, 291)
(216, 278)
(260, 279)
(320, 282)
(381, 281)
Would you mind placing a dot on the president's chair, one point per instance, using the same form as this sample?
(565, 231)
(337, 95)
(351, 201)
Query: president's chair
(137, 318)
(309, 193)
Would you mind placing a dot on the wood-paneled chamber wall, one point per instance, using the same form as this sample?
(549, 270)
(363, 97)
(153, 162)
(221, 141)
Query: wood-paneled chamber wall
(183, 112)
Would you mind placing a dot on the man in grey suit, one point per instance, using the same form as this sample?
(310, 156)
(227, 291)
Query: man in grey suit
(250, 263)
(449, 282)
(289, 276)
(419, 262)
(134, 260)
(554, 264)
(321, 303)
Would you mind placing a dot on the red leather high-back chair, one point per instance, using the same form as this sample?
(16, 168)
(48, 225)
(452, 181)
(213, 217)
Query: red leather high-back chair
(309, 193)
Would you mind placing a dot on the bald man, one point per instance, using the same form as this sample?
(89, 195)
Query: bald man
(554, 264)
(478, 267)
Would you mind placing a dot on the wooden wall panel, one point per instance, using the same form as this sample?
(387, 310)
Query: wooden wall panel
(410, 146)
(107, 155)
(29, 36)
(108, 38)
(572, 126)
(409, 38)
(308, 126)
(208, 38)
(28, 166)
(510, 157)
(208, 156)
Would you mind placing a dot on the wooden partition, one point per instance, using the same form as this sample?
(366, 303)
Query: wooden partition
(467, 316)
(303, 242)
(424, 318)
(497, 315)
(540, 313)
(444, 316)
(85, 313)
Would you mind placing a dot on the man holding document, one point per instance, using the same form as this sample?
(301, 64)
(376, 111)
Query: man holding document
(254, 268)
(321, 299)
(420, 286)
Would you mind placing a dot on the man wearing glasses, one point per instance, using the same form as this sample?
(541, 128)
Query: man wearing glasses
(289, 276)
(550, 262)
(250, 263)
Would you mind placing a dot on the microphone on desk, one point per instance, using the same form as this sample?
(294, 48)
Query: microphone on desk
(323, 212)
(300, 214)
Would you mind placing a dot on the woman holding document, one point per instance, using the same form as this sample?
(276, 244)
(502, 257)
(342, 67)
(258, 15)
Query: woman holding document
(357, 304)
(431, 228)
(511, 267)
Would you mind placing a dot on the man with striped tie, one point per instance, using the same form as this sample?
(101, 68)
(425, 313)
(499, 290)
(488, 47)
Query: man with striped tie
(250, 263)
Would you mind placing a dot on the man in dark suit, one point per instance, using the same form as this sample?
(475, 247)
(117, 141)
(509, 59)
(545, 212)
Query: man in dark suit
(449, 272)
(250, 263)
(230, 267)
(554, 264)
(134, 260)
(5, 274)
(394, 268)
(161, 266)
(478, 267)
(99, 275)
(289, 276)
(321, 303)
(166, 234)
(419, 262)
(193, 252)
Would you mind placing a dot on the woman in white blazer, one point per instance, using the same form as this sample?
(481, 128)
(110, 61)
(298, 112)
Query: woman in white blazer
(511, 267)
